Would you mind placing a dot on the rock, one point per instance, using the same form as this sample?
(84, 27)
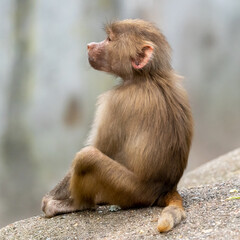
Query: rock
(220, 169)
(209, 214)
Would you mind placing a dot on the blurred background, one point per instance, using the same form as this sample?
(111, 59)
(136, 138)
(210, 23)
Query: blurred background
(48, 90)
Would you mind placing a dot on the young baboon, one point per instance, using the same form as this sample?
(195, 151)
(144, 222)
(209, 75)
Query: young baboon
(139, 144)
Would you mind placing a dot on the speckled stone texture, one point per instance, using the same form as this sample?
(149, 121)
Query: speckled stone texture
(218, 170)
(210, 214)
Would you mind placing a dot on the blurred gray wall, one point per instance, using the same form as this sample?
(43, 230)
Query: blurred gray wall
(48, 91)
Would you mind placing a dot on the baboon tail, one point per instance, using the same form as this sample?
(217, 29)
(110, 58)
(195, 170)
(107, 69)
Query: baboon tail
(172, 214)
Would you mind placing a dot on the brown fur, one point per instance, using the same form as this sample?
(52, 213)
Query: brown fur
(141, 136)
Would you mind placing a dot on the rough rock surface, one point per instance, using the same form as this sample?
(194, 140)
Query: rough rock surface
(212, 213)
(220, 169)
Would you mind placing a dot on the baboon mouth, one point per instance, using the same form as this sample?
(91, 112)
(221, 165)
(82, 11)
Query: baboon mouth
(92, 62)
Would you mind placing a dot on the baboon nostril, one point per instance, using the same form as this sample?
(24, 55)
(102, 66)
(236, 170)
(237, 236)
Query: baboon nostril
(91, 45)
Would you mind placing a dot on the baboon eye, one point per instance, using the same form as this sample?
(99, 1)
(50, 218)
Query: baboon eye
(109, 39)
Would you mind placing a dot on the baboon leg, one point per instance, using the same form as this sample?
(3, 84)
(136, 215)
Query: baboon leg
(95, 174)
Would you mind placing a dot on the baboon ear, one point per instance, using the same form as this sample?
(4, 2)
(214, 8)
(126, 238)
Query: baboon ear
(143, 58)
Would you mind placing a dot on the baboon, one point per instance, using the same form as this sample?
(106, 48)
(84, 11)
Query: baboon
(139, 144)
